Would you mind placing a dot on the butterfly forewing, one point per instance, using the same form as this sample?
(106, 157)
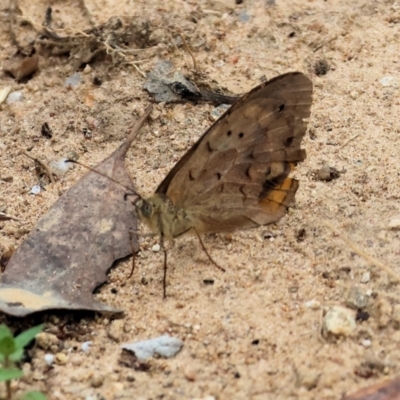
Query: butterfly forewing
(236, 175)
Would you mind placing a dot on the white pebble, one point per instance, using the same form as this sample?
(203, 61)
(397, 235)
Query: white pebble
(85, 347)
(339, 321)
(87, 69)
(73, 80)
(394, 223)
(156, 248)
(35, 189)
(14, 97)
(49, 358)
(164, 346)
(366, 276)
(313, 304)
(366, 342)
(354, 95)
(388, 81)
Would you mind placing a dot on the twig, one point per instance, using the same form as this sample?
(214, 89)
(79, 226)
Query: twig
(188, 50)
(350, 140)
(137, 69)
(5, 217)
(42, 164)
(361, 252)
(325, 43)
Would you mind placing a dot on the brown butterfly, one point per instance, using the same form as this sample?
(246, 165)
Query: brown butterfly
(237, 174)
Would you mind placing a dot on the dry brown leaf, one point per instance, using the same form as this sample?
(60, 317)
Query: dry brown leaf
(386, 390)
(67, 254)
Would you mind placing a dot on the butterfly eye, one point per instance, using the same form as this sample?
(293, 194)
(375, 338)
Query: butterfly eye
(146, 209)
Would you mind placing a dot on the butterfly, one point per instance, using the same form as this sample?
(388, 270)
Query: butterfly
(236, 176)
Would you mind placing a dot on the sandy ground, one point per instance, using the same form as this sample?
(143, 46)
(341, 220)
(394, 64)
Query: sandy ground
(255, 333)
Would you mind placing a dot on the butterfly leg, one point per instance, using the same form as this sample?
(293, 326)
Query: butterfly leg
(205, 251)
(165, 266)
(147, 234)
(131, 233)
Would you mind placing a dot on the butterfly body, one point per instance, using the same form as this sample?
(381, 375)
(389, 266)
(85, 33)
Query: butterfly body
(236, 175)
(162, 217)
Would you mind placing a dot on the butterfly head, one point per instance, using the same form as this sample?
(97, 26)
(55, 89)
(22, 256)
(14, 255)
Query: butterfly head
(144, 208)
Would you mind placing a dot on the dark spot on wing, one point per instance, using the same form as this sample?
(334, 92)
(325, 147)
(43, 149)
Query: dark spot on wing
(218, 175)
(191, 177)
(289, 141)
(243, 193)
(271, 184)
(229, 133)
(281, 107)
(268, 171)
(221, 187)
(209, 148)
(241, 134)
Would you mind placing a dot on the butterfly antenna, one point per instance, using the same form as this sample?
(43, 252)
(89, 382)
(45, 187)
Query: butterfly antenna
(106, 176)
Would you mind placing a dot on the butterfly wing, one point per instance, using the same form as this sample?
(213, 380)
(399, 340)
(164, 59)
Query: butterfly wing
(236, 175)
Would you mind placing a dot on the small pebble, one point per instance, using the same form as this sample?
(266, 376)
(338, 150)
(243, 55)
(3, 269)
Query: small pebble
(366, 276)
(388, 81)
(243, 16)
(61, 358)
(327, 173)
(97, 380)
(73, 81)
(164, 346)
(14, 97)
(36, 189)
(313, 304)
(46, 340)
(116, 329)
(356, 298)
(85, 346)
(87, 69)
(394, 223)
(338, 321)
(366, 342)
(49, 358)
(354, 95)
(190, 374)
(156, 248)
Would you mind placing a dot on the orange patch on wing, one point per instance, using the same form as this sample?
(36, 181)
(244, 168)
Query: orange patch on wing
(280, 196)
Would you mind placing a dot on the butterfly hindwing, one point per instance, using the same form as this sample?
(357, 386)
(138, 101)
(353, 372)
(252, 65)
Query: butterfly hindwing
(236, 175)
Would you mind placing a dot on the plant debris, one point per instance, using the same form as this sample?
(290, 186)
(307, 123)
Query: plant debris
(386, 390)
(67, 254)
(167, 85)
